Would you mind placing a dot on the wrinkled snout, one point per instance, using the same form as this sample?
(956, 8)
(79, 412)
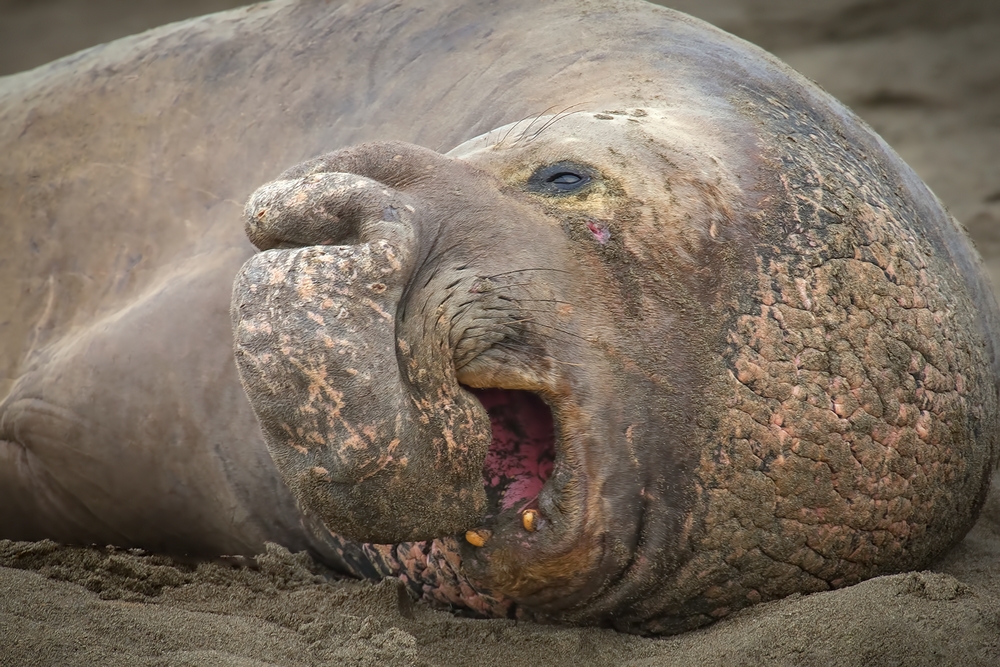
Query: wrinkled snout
(315, 321)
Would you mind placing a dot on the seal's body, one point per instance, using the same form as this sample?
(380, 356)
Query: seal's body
(701, 340)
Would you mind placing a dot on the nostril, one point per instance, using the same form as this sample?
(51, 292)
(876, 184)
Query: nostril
(257, 231)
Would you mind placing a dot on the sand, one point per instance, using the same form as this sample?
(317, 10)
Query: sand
(926, 75)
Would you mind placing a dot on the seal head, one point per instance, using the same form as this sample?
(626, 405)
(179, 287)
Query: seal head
(695, 400)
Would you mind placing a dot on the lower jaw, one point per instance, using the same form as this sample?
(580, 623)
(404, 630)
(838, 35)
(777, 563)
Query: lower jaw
(520, 461)
(454, 572)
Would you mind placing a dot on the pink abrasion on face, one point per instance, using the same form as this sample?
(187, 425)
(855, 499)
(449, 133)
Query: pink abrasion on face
(600, 231)
(522, 453)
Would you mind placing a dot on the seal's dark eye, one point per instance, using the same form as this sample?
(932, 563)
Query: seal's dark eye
(560, 178)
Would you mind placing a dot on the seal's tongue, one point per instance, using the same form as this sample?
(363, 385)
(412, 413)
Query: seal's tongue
(522, 452)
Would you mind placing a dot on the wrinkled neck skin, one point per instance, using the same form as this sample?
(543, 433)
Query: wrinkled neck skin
(520, 262)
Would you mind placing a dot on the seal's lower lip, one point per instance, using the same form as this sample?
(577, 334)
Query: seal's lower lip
(521, 456)
(541, 543)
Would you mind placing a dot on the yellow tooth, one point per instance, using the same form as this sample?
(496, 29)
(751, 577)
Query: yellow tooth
(529, 519)
(477, 537)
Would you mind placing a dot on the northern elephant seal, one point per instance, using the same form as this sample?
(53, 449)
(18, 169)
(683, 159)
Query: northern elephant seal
(768, 352)
(761, 379)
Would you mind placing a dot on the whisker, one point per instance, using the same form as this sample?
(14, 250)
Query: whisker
(482, 253)
(519, 300)
(565, 113)
(525, 131)
(515, 304)
(495, 288)
(523, 310)
(549, 326)
(512, 271)
(532, 320)
(533, 353)
(460, 311)
(511, 129)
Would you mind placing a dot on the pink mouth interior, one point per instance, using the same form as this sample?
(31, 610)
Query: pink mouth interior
(521, 456)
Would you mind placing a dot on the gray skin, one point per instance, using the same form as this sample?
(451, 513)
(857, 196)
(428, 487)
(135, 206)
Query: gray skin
(779, 373)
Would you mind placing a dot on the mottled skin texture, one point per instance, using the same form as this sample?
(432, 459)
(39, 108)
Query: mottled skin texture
(768, 351)
(759, 387)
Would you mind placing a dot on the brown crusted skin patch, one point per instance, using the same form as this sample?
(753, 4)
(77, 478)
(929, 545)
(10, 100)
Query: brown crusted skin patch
(301, 350)
(855, 411)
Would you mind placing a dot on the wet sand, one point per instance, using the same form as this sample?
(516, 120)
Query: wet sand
(926, 75)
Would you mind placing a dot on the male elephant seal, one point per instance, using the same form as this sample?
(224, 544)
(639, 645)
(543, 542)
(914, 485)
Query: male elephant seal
(699, 340)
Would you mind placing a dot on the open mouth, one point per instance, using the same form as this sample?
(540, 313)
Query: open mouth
(521, 455)
(533, 542)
